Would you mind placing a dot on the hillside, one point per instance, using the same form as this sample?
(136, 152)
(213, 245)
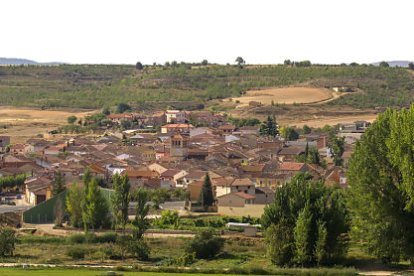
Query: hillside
(95, 86)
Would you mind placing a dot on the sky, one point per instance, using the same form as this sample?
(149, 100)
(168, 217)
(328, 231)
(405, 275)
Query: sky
(260, 31)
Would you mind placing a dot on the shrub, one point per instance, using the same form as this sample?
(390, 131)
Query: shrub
(76, 252)
(168, 218)
(139, 248)
(7, 241)
(107, 238)
(205, 244)
(76, 238)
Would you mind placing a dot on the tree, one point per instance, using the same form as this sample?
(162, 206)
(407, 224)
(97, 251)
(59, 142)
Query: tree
(58, 184)
(269, 127)
(74, 199)
(240, 61)
(139, 66)
(120, 200)
(381, 193)
(291, 222)
(287, 62)
(384, 64)
(337, 148)
(313, 156)
(122, 107)
(306, 129)
(320, 250)
(72, 119)
(94, 207)
(204, 62)
(411, 65)
(206, 195)
(7, 241)
(302, 237)
(206, 244)
(290, 134)
(141, 222)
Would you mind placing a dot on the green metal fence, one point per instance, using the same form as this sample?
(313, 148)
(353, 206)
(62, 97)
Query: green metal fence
(45, 212)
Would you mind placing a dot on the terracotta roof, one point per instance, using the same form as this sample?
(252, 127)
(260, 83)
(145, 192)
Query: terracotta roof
(253, 168)
(242, 182)
(291, 166)
(244, 195)
(178, 126)
(140, 173)
(170, 173)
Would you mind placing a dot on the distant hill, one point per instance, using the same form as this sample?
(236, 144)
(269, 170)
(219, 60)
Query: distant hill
(396, 63)
(22, 61)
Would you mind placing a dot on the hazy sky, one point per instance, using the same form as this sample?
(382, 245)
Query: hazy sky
(125, 31)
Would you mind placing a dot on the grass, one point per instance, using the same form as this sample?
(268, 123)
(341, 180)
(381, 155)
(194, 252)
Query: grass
(95, 272)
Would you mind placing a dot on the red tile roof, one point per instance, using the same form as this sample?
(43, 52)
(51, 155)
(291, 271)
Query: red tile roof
(244, 195)
(291, 166)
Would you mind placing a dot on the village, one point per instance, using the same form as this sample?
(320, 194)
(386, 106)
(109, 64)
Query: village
(175, 150)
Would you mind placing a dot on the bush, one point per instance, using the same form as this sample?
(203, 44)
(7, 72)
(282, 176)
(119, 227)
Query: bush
(168, 219)
(139, 248)
(76, 239)
(76, 252)
(107, 238)
(7, 241)
(205, 244)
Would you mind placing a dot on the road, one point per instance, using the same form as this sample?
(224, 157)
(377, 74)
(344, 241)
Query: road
(12, 208)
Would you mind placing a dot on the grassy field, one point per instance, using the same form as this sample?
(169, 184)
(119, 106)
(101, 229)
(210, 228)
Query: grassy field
(285, 95)
(22, 123)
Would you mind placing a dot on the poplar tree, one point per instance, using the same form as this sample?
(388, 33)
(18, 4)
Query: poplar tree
(206, 195)
(120, 200)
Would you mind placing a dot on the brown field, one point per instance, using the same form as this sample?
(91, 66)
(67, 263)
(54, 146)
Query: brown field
(331, 120)
(286, 95)
(22, 124)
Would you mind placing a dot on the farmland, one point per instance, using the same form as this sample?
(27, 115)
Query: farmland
(22, 123)
(285, 95)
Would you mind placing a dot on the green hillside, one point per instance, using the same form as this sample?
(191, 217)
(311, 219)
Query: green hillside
(95, 86)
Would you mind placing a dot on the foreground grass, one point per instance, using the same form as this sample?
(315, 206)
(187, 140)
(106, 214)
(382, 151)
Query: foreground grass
(94, 272)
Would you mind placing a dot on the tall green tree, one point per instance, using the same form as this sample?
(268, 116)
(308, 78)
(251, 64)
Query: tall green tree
(302, 237)
(74, 199)
(240, 61)
(291, 222)
(337, 148)
(120, 200)
(269, 127)
(94, 208)
(381, 191)
(58, 183)
(206, 194)
(141, 222)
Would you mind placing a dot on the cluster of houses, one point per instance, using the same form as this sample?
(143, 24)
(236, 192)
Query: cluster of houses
(245, 168)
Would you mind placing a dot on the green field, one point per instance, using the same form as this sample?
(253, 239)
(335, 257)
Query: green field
(186, 86)
(46, 272)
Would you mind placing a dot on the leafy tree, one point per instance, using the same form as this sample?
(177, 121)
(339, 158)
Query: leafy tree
(168, 218)
(58, 183)
(204, 62)
(120, 200)
(94, 207)
(287, 62)
(72, 119)
(141, 222)
(122, 107)
(384, 64)
(320, 250)
(306, 129)
(7, 241)
(139, 66)
(411, 65)
(381, 193)
(313, 156)
(206, 194)
(290, 134)
(302, 237)
(240, 61)
(74, 199)
(206, 244)
(337, 148)
(269, 127)
(291, 222)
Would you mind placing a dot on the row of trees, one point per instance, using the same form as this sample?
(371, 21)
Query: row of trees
(7, 182)
(307, 223)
